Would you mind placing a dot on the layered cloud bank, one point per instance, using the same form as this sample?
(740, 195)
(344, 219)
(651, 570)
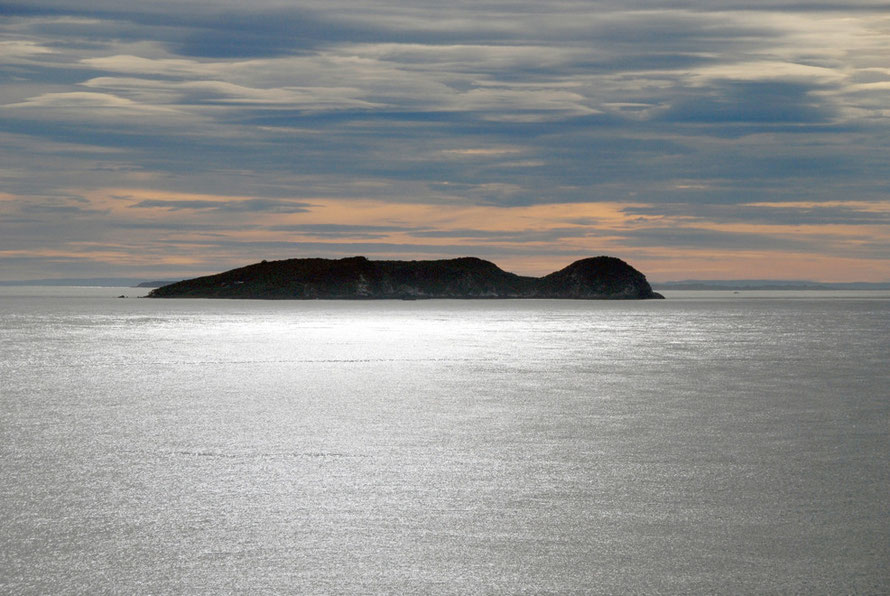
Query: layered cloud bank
(694, 139)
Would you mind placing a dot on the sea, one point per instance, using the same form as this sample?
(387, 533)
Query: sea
(709, 443)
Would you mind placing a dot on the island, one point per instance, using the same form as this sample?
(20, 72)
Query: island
(595, 278)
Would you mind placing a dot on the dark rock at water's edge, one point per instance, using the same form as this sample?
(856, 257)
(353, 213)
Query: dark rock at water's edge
(597, 278)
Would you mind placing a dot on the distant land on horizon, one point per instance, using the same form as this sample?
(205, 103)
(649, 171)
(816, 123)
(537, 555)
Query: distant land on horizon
(100, 282)
(595, 278)
(766, 284)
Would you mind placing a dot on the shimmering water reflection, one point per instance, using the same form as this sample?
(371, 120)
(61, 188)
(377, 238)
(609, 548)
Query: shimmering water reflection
(688, 445)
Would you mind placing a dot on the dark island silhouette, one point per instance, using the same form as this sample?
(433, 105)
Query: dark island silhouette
(596, 278)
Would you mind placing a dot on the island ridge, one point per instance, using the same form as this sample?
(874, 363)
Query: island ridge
(596, 278)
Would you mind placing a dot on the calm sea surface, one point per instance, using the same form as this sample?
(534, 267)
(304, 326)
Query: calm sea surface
(708, 443)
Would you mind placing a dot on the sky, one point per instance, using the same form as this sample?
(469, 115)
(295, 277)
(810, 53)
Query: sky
(695, 139)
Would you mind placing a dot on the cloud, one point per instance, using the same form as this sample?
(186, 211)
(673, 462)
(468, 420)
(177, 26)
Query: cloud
(77, 99)
(103, 108)
(169, 67)
(221, 93)
(679, 126)
(225, 205)
(776, 214)
(751, 102)
(21, 51)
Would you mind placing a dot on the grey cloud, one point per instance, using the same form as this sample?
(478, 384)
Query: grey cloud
(850, 246)
(870, 249)
(547, 235)
(750, 102)
(691, 237)
(41, 207)
(67, 210)
(283, 250)
(192, 29)
(341, 230)
(231, 206)
(768, 215)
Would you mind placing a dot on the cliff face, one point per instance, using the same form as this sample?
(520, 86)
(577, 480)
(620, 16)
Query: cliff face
(594, 278)
(357, 278)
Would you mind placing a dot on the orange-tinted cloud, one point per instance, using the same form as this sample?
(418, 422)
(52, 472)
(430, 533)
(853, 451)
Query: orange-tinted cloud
(206, 233)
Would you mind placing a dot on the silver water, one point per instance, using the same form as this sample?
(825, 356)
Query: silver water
(731, 443)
